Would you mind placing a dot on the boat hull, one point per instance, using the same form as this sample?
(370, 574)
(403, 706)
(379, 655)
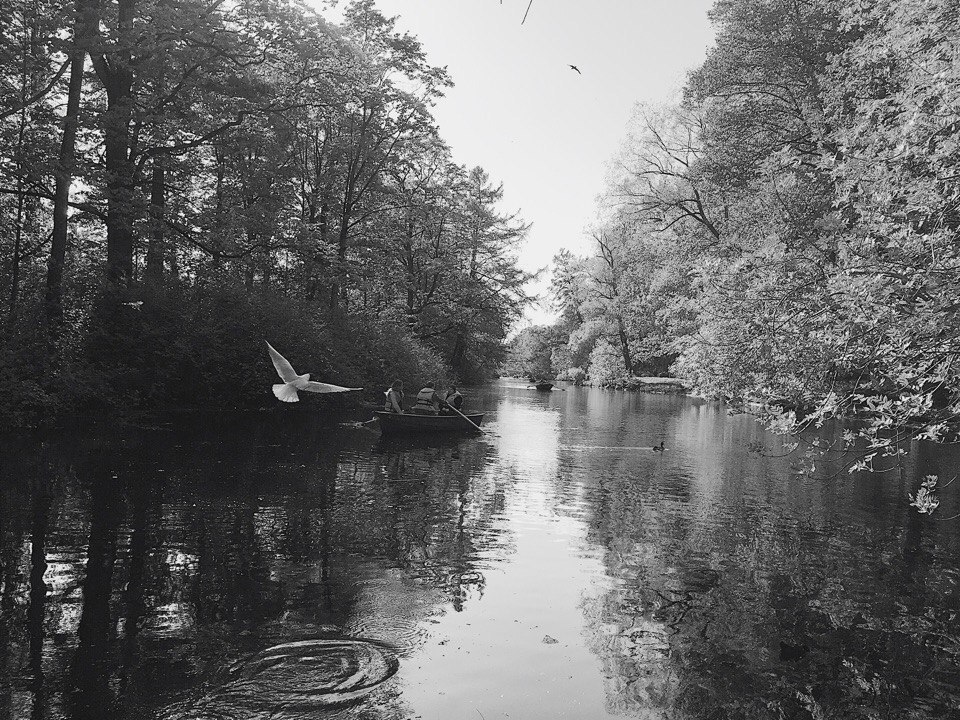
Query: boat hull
(426, 425)
(544, 386)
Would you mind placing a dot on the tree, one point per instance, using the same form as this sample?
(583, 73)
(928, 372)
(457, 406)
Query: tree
(487, 288)
(799, 211)
(65, 168)
(529, 354)
(225, 172)
(389, 109)
(32, 70)
(659, 176)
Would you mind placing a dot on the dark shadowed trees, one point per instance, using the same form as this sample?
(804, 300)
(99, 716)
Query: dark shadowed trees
(246, 168)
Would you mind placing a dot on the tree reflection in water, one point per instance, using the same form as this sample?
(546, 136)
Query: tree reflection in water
(295, 567)
(169, 556)
(727, 605)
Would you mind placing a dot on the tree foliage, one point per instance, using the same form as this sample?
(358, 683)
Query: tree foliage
(158, 160)
(793, 220)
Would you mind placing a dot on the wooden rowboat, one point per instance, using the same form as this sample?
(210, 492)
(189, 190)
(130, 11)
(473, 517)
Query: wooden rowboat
(425, 424)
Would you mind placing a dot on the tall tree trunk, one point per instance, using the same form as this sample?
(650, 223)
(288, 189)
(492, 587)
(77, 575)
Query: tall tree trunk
(625, 346)
(459, 349)
(115, 70)
(410, 273)
(61, 195)
(338, 289)
(323, 221)
(119, 182)
(15, 262)
(156, 250)
(21, 169)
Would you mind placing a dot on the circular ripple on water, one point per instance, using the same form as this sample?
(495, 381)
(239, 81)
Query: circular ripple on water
(298, 677)
(404, 632)
(318, 671)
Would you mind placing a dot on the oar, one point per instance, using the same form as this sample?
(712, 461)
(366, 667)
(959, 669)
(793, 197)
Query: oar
(359, 423)
(467, 419)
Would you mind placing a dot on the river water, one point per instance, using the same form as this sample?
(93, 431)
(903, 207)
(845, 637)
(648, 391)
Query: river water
(286, 566)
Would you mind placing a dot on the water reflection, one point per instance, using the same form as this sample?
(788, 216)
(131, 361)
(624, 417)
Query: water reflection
(556, 567)
(739, 579)
(295, 679)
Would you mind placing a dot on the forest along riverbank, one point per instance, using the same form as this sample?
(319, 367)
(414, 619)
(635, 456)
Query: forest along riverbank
(196, 238)
(554, 567)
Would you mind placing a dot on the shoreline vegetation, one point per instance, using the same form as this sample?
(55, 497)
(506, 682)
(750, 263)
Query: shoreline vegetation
(182, 182)
(785, 236)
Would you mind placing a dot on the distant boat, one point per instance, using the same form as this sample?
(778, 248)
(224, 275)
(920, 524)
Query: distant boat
(425, 425)
(544, 386)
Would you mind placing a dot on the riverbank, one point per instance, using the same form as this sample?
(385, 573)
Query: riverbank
(642, 384)
(650, 384)
(183, 351)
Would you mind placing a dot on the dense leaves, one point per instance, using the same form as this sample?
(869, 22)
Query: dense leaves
(179, 181)
(788, 232)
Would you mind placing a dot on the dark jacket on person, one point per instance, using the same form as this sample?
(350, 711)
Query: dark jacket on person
(455, 399)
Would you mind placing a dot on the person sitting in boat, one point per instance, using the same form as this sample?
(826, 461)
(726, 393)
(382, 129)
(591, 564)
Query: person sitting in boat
(393, 403)
(454, 401)
(428, 402)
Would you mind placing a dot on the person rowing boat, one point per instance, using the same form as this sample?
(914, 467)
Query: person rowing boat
(453, 400)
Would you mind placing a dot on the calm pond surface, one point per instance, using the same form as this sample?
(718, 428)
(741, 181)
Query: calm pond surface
(283, 566)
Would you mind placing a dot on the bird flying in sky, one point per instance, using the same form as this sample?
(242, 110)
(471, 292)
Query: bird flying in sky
(292, 383)
(574, 67)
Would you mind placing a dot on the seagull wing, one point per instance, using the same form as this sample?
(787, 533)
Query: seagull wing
(286, 393)
(319, 387)
(284, 368)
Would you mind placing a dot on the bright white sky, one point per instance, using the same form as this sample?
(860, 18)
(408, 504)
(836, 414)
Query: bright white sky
(534, 124)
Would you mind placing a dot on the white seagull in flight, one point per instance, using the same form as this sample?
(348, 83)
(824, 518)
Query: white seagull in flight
(292, 383)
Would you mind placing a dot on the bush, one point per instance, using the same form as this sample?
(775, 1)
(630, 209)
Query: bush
(606, 364)
(201, 347)
(575, 375)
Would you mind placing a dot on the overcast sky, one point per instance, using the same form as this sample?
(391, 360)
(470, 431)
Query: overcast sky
(534, 124)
